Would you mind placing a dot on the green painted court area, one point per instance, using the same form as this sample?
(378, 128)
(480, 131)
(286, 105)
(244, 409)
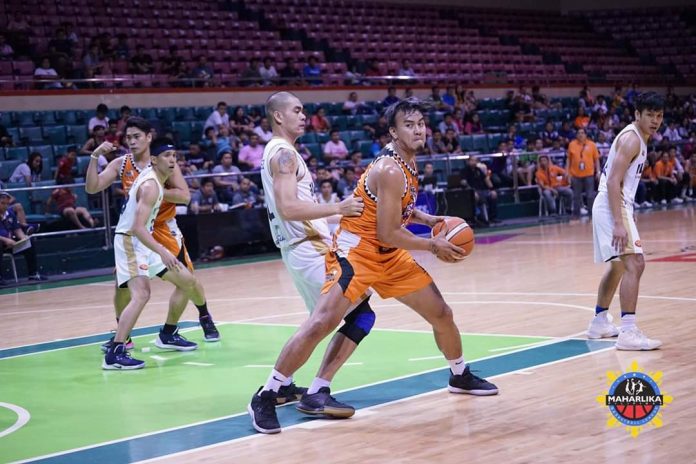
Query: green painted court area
(74, 403)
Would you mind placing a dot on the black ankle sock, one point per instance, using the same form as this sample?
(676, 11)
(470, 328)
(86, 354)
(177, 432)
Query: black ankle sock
(169, 328)
(203, 310)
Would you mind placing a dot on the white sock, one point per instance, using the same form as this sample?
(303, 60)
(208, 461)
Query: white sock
(275, 380)
(318, 383)
(628, 321)
(457, 365)
(287, 382)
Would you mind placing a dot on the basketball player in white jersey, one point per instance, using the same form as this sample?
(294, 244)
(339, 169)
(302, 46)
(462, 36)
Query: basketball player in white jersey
(616, 239)
(139, 257)
(300, 229)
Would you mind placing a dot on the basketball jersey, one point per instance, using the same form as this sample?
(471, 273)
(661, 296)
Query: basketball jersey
(287, 233)
(365, 225)
(128, 172)
(127, 218)
(629, 184)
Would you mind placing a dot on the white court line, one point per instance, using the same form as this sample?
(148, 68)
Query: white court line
(193, 363)
(426, 358)
(264, 366)
(23, 417)
(546, 303)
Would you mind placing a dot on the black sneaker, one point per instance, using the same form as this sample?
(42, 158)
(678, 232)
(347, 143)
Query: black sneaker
(322, 403)
(471, 384)
(290, 393)
(263, 413)
(210, 332)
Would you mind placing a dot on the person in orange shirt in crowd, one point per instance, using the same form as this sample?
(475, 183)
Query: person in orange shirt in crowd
(553, 182)
(668, 184)
(647, 188)
(582, 119)
(583, 169)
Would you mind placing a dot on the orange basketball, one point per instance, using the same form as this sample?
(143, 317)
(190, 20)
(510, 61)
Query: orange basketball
(457, 233)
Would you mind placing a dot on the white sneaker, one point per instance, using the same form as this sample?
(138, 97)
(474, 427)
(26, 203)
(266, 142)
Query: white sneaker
(583, 211)
(634, 340)
(677, 201)
(647, 204)
(601, 327)
(663, 202)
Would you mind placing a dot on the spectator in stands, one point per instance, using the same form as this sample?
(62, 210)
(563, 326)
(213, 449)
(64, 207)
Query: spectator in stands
(251, 76)
(59, 46)
(263, 130)
(250, 155)
(381, 127)
(352, 106)
(477, 178)
(553, 183)
(197, 158)
(122, 50)
(97, 138)
(671, 133)
(600, 106)
(142, 62)
(92, 62)
(682, 175)
(303, 150)
(100, 118)
(335, 148)
(11, 232)
(268, 72)
(347, 183)
(227, 185)
(668, 184)
(66, 205)
(187, 169)
(448, 123)
(353, 76)
(391, 97)
(326, 194)
(373, 72)
(473, 124)
(516, 140)
(6, 50)
(689, 148)
(566, 132)
(451, 142)
(436, 144)
(435, 99)
(68, 162)
(584, 169)
(247, 195)
(290, 75)
(631, 94)
(356, 163)
(218, 118)
(47, 75)
(685, 127)
(5, 137)
(549, 134)
(107, 50)
(539, 100)
(427, 180)
(618, 100)
(203, 73)
(379, 144)
(19, 30)
(173, 65)
(28, 172)
(406, 69)
(205, 200)
(323, 173)
(320, 124)
(647, 191)
(312, 71)
(603, 145)
(449, 98)
(241, 123)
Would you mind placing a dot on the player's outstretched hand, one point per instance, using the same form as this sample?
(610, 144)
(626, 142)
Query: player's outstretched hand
(351, 206)
(444, 250)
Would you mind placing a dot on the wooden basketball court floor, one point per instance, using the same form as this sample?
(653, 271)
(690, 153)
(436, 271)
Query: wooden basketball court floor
(522, 302)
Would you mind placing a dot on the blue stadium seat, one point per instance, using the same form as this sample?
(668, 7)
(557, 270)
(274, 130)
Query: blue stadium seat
(14, 133)
(182, 130)
(46, 152)
(71, 117)
(22, 196)
(17, 153)
(197, 130)
(57, 135)
(167, 114)
(185, 114)
(147, 113)
(365, 147)
(480, 143)
(39, 197)
(310, 108)
(358, 135)
(77, 134)
(494, 140)
(371, 119)
(82, 162)
(315, 149)
(6, 118)
(466, 142)
(322, 138)
(31, 135)
(309, 137)
(7, 168)
(46, 118)
(24, 118)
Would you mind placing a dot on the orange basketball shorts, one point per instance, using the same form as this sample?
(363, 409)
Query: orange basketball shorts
(392, 274)
(169, 236)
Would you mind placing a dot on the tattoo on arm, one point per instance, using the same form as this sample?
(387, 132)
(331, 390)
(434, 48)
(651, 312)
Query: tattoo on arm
(286, 162)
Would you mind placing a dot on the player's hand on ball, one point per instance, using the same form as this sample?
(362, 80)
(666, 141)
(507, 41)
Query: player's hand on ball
(103, 149)
(444, 250)
(351, 206)
(435, 220)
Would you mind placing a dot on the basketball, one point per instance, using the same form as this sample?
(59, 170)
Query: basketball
(457, 233)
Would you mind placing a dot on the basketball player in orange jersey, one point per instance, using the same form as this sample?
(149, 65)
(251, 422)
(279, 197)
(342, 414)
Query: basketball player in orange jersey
(166, 232)
(370, 251)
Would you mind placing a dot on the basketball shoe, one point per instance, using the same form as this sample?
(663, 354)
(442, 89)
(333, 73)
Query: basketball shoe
(632, 339)
(118, 358)
(601, 326)
(470, 384)
(322, 403)
(106, 345)
(262, 411)
(290, 393)
(174, 341)
(210, 332)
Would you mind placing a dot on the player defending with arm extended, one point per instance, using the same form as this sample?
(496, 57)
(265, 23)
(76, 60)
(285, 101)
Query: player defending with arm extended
(299, 227)
(139, 257)
(616, 239)
(370, 251)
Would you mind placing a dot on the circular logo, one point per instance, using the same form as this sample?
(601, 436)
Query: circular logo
(634, 398)
(638, 244)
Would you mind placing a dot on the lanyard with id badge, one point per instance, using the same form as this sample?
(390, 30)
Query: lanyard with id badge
(582, 163)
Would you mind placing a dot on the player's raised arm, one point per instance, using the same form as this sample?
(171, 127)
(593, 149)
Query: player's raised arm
(290, 207)
(95, 181)
(627, 149)
(176, 190)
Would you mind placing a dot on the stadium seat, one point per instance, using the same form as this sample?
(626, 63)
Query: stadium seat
(182, 130)
(17, 153)
(57, 135)
(31, 135)
(77, 134)
(8, 166)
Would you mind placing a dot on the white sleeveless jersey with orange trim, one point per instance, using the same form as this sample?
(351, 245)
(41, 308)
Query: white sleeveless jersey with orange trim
(127, 218)
(631, 179)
